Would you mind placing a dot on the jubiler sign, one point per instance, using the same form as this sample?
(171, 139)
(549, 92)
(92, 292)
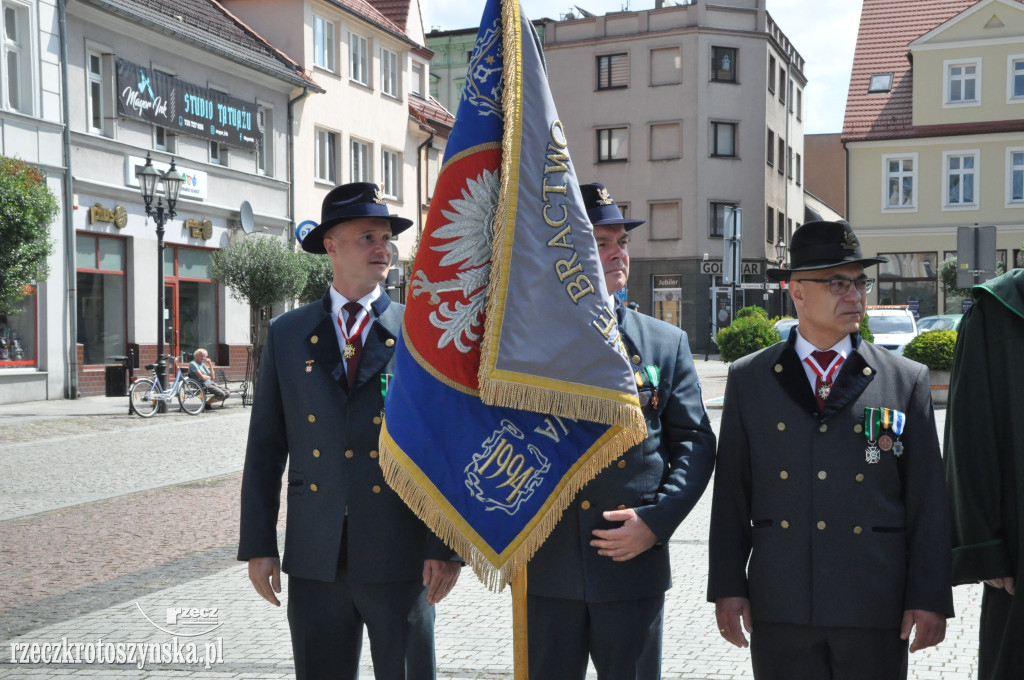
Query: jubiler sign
(185, 108)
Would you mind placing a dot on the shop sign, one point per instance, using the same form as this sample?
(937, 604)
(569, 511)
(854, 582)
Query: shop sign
(714, 267)
(185, 108)
(193, 182)
(119, 215)
(200, 228)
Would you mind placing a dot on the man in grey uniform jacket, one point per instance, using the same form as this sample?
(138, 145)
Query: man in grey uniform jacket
(597, 586)
(355, 554)
(830, 525)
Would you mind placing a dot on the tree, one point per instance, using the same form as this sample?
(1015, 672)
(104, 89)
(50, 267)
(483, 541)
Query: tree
(27, 207)
(319, 277)
(260, 270)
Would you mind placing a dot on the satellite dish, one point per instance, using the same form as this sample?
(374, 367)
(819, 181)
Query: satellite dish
(394, 253)
(245, 217)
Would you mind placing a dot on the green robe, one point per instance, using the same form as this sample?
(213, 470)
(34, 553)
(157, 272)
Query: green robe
(985, 466)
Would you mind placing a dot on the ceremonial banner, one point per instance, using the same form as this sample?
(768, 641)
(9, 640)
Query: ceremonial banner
(512, 389)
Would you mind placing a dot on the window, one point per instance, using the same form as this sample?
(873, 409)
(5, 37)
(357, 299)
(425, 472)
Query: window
(666, 66)
(769, 225)
(435, 86)
(96, 112)
(781, 167)
(899, 189)
(799, 170)
(963, 82)
(770, 151)
(782, 85)
(961, 178)
(360, 156)
(265, 154)
(416, 86)
(781, 222)
(324, 49)
(218, 153)
(390, 174)
(100, 280)
(666, 141)
(799, 104)
(17, 58)
(163, 139)
(723, 64)
(666, 220)
(879, 83)
(612, 145)
(389, 72)
(789, 94)
(193, 305)
(359, 59)
(723, 139)
(1016, 74)
(789, 162)
(1015, 176)
(771, 74)
(718, 212)
(18, 332)
(326, 156)
(612, 71)
(908, 277)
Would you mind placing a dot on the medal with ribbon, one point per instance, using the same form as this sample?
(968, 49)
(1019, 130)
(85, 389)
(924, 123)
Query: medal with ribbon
(899, 419)
(885, 440)
(350, 349)
(825, 375)
(872, 429)
(654, 375)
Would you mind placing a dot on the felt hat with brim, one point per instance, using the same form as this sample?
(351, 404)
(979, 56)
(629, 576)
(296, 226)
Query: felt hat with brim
(601, 208)
(822, 245)
(347, 202)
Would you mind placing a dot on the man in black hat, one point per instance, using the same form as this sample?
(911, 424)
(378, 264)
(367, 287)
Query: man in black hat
(354, 553)
(830, 524)
(596, 588)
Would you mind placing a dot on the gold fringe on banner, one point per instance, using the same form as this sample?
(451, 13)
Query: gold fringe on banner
(494, 570)
(584, 403)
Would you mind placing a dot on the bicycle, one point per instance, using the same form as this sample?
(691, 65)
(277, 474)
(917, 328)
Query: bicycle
(147, 394)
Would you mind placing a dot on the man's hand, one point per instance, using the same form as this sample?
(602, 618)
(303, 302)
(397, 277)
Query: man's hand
(729, 611)
(931, 628)
(1005, 582)
(265, 574)
(439, 577)
(625, 542)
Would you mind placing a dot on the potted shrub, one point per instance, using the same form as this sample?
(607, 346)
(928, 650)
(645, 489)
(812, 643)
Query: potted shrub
(745, 335)
(935, 350)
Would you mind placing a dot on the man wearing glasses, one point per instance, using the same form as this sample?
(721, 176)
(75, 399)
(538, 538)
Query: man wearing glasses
(830, 524)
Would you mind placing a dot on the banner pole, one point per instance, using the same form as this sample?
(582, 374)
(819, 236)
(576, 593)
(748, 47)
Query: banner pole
(520, 648)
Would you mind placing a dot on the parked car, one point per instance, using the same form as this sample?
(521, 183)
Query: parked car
(892, 325)
(941, 322)
(784, 326)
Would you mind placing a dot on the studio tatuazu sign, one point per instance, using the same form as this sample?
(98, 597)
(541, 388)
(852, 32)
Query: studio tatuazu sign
(185, 108)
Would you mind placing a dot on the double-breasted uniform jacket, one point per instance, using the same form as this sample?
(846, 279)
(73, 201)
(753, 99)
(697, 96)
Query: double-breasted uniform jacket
(304, 413)
(663, 477)
(831, 539)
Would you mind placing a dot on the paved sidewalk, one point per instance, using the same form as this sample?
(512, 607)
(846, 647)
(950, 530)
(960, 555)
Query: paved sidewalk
(109, 523)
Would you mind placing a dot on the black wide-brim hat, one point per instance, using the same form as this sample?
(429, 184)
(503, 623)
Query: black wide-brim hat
(352, 201)
(601, 208)
(822, 245)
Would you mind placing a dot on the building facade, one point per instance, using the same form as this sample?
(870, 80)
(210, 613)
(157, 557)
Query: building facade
(32, 362)
(182, 81)
(684, 112)
(375, 120)
(934, 130)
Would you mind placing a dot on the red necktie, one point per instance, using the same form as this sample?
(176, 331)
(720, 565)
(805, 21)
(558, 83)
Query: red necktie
(824, 372)
(353, 348)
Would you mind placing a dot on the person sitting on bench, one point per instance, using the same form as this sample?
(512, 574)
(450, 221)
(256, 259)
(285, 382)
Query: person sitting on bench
(201, 368)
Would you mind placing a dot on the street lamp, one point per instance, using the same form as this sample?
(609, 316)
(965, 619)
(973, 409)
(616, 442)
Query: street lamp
(148, 179)
(780, 252)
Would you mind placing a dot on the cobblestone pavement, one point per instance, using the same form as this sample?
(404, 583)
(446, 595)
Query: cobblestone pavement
(109, 524)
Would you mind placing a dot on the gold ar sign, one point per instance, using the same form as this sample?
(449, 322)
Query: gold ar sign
(200, 228)
(119, 216)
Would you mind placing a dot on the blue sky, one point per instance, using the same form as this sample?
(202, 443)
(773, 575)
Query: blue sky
(824, 33)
